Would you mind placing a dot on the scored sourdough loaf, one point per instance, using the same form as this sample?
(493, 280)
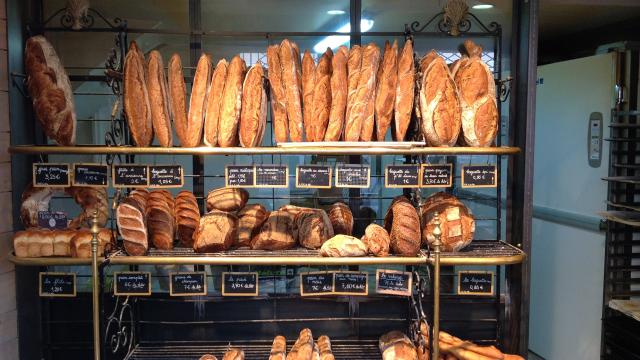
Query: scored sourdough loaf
(395, 345)
(403, 225)
(404, 92)
(478, 98)
(160, 219)
(343, 246)
(278, 97)
(324, 346)
(368, 119)
(250, 220)
(159, 99)
(292, 83)
(354, 62)
(227, 199)
(339, 89)
(253, 117)
(358, 125)
(216, 232)
(50, 90)
(303, 347)
(231, 103)
(178, 97)
(276, 232)
(130, 217)
(187, 217)
(386, 90)
(136, 98)
(341, 218)
(377, 240)
(214, 103)
(198, 102)
(278, 348)
(321, 103)
(312, 228)
(456, 221)
(439, 103)
(308, 84)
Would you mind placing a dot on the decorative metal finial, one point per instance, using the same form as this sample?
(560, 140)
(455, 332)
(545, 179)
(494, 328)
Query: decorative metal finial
(437, 231)
(455, 12)
(77, 12)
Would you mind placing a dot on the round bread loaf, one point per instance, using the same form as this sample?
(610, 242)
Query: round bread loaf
(341, 218)
(276, 232)
(227, 199)
(216, 232)
(456, 222)
(377, 240)
(403, 224)
(343, 246)
(250, 220)
(313, 228)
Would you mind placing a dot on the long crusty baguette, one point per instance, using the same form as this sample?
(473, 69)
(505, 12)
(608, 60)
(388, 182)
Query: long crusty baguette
(308, 85)
(386, 91)
(354, 63)
(214, 103)
(321, 104)
(368, 123)
(136, 97)
(355, 126)
(298, 64)
(198, 101)
(278, 349)
(404, 92)
(178, 96)
(292, 88)
(159, 99)
(253, 118)
(278, 105)
(339, 88)
(324, 344)
(231, 103)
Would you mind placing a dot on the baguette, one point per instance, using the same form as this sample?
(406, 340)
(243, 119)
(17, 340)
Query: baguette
(324, 345)
(339, 88)
(178, 97)
(136, 97)
(354, 63)
(231, 103)
(386, 90)
(214, 103)
(278, 349)
(359, 125)
(253, 118)
(278, 105)
(404, 92)
(308, 85)
(198, 102)
(321, 104)
(159, 99)
(291, 81)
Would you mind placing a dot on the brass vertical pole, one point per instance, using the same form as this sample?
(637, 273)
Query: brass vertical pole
(437, 233)
(96, 291)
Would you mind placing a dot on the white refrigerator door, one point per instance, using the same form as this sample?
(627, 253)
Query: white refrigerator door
(567, 262)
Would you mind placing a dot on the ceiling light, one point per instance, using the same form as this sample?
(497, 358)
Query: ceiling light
(334, 41)
(336, 12)
(482, 6)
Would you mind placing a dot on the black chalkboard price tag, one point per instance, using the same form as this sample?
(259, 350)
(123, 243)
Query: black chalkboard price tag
(402, 176)
(351, 283)
(239, 284)
(394, 282)
(316, 283)
(478, 283)
(239, 175)
(353, 176)
(272, 176)
(479, 176)
(188, 284)
(165, 176)
(437, 175)
(92, 175)
(51, 175)
(54, 284)
(313, 176)
(132, 283)
(52, 220)
(130, 176)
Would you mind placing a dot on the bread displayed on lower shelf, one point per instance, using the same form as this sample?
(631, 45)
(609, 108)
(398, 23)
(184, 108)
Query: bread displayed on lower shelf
(233, 354)
(216, 232)
(278, 348)
(395, 345)
(377, 240)
(34, 243)
(343, 246)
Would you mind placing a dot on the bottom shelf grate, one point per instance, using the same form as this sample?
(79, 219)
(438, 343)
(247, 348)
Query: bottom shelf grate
(255, 350)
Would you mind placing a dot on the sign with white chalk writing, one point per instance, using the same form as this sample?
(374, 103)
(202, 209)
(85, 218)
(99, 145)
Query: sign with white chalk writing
(92, 175)
(166, 176)
(316, 283)
(437, 175)
(351, 283)
(479, 176)
(188, 284)
(132, 283)
(51, 175)
(239, 175)
(239, 284)
(313, 176)
(130, 176)
(53, 284)
(402, 176)
(393, 282)
(475, 283)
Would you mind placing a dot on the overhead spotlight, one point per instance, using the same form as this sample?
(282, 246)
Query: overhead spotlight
(336, 12)
(482, 6)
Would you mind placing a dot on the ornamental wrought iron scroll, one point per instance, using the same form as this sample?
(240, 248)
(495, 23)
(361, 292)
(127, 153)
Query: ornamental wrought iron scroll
(116, 136)
(81, 19)
(119, 333)
(442, 23)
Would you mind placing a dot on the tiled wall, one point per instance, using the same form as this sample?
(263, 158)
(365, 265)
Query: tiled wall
(8, 312)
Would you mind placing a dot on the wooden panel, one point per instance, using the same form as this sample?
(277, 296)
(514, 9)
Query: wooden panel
(9, 325)
(6, 215)
(3, 34)
(6, 247)
(4, 111)
(4, 147)
(4, 73)
(3, 9)
(5, 178)
(8, 290)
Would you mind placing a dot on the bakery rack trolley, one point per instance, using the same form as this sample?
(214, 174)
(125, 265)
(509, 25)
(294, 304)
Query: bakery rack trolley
(493, 253)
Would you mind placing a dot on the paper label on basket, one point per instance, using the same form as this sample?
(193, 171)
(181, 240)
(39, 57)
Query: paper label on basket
(54, 284)
(475, 283)
(51, 175)
(91, 175)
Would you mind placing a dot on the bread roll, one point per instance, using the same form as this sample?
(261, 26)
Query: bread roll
(343, 246)
(456, 222)
(136, 98)
(339, 89)
(253, 118)
(276, 232)
(395, 345)
(403, 225)
(198, 102)
(341, 218)
(216, 232)
(50, 91)
(233, 354)
(355, 127)
(386, 90)
(404, 92)
(308, 85)
(178, 96)
(159, 99)
(130, 217)
(291, 81)
(278, 349)
(278, 98)
(250, 220)
(214, 103)
(439, 104)
(321, 103)
(227, 199)
(312, 228)
(377, 240)
(187, 216)
(231, 103)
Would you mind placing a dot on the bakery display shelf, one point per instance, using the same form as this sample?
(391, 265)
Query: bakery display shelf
(253, 350)
(51, 261)
(623, 179)
(625, 126)
(306, 150)
(622, 140)
(483, 253)
(627, 166)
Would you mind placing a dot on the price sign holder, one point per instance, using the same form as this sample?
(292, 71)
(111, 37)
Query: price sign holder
(353, 176)
(436, 175)
(475, 283)
(271, 176)
(57, 284)
(402, 176)
(239, 175)
(141, 178)
(91, 175)
(141, 278)
(352, 283)
(394, 282)
(313, 176)
(316, 283)
(52, 220)
(177, 283)
(479, 176)
(240, 278)
(166, 176)
(53, 175)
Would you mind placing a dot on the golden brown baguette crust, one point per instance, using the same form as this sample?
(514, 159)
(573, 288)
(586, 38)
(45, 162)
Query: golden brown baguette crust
(321, 99)
(178, 97)
(198, 101)
(354, 64)
(136, 97)
(278, 349)
(308, 85)
(404, 92)
(292, 83)
(278, 98)
(386, 90)
(365, 96)
(214, 103)
(159, 99)
(339, 89)
(253, 118)
(231, 103)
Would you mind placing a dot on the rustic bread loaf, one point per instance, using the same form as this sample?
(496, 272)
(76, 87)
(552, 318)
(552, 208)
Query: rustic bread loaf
(214, 103)
(50, 91)
(341, 218)
(386, 90)
(233, 354)
(208, 357)
(292, 82)
(187, 216)
(90, 199)
(159, 99)
(178, 97)
(276, 232)
(354, 64)
(231, 103)
(456, 222)
(278, 97)
(368, 121)
(404, 92)
(324, 345)
(227, 199)
(355, 127)
(321, 103)
(403, 225)
(198, 102)
(250, 220)
(308, 85)
(343, 246)
(160, 219)
(62, 242)
(339, 89)
(130, 217)
(253, 118)
(34, 200)
(136, 98)
(312, 228)
(377, 240)
(395, 345)
(80, 244)
(303, 347)
(216, 232)
(278, 348)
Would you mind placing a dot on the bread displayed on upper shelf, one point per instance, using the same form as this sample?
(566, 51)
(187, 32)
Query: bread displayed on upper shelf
(477, 97)
(159, 99)
(217, 232)
(292, 84)
(404, 92)
(227, 199)
(308, 84)
(395, 345)
(136, 97)
(178, 97)
(187, 216)
(386, 89)
(456, 221)
(34, 243)
(377, 240)
(359, 120)
(80, 244)
(278, 97)
(231, 103)
(278, 348)
(214, 103)
(50, 90)
(341, 218)
(198, 102)
(343, 246)
(339, 89)
(34, 200)
(403, 224)
(253, 118)
(321, 103)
